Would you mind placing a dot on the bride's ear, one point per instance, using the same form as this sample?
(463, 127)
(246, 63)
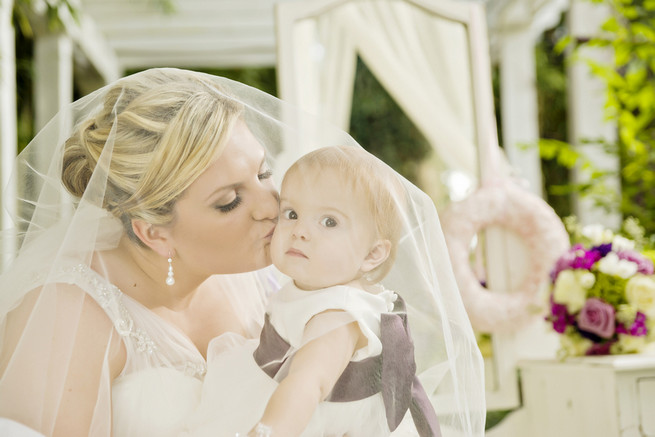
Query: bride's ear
(155, 237)
(376, 256)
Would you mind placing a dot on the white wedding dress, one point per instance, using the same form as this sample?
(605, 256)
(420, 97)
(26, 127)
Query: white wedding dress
(161, 384)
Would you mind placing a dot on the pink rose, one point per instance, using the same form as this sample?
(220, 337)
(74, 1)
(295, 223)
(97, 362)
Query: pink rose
(597, 317)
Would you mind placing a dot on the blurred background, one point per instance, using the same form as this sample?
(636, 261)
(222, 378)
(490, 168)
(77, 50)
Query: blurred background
(566, 87)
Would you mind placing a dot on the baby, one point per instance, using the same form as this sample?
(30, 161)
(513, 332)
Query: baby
(334, 357)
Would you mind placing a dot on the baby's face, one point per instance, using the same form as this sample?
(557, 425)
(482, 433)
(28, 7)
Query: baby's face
(324, 231)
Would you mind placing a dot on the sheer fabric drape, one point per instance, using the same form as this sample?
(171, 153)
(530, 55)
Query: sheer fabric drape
(421, 60)
(59, 314)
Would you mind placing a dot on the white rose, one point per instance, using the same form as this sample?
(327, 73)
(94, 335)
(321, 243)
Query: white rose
(640, 292)
(586, 278)
(612, 265)
(629, 344)
(626, 314)
(597, 234)
(620, 243)
(650, 325)
(568, 291)
(573, 344)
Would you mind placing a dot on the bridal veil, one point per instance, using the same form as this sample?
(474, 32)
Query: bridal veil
(45, 317)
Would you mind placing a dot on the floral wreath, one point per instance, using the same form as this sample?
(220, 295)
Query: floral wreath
(504, 204)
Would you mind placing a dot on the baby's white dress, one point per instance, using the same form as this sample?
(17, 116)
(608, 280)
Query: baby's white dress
(236, 390)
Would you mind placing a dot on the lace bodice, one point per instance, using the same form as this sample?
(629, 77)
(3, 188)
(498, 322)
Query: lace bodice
(147, 337)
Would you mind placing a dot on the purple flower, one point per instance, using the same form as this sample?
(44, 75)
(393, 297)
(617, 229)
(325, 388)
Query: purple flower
(597, 317)
(560, 317)
(577, 258)
(644, 265)
(602, 249)
(587, 260)
(638, 327)
(600, 348)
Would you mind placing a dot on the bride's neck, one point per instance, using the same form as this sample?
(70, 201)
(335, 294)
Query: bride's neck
(141, 274)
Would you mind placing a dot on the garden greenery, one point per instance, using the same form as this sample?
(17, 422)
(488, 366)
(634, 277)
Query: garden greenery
(630, 103)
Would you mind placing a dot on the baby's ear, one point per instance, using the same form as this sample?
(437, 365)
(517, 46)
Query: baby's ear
(376, 256)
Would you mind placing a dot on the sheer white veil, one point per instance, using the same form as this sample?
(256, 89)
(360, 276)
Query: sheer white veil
(44, 318)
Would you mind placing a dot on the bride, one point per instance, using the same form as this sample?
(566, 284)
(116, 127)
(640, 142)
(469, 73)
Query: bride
(144, 218)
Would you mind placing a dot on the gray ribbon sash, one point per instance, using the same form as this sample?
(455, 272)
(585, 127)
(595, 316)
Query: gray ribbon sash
(393, 372)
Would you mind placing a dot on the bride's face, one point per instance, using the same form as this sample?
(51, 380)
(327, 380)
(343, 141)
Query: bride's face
(225, 219)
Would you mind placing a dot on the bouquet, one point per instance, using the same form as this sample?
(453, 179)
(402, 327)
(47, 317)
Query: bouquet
(602, 298)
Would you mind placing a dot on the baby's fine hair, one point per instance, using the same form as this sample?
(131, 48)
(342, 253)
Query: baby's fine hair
(369, 179)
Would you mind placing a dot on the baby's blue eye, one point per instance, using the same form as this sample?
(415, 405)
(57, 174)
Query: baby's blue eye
(290, 214)
(328, 222)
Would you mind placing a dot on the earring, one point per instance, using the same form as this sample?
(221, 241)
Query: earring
(170, 278)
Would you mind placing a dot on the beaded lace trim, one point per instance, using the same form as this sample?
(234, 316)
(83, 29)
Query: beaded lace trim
(108, 297)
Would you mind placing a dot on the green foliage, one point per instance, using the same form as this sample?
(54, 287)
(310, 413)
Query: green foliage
(552, 90)
(382, 128)
(53, 10)
(609, 288)
(264, 79)
(630, 102)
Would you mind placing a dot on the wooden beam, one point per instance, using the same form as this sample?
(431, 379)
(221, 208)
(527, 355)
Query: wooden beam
(92, 43)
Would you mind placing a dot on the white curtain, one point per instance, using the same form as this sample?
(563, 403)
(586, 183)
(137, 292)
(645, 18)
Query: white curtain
(420, 59)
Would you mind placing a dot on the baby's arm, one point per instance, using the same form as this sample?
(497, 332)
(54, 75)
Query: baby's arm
(314, 370)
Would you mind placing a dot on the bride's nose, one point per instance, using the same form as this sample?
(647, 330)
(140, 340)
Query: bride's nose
(267, 204)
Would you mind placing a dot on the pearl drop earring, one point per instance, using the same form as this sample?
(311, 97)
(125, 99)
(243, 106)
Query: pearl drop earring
(170, 278)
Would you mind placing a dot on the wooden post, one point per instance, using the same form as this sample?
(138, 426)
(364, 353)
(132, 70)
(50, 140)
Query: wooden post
(8, 136)
(586, 110)
(53, 81)
(53, 76)
(520, 118)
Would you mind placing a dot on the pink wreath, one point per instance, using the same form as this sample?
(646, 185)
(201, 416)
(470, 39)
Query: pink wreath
(506, 205)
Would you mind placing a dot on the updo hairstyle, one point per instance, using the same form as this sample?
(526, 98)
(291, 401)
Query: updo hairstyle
(162, 129)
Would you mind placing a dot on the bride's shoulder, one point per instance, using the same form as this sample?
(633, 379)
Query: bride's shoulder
(70, 314)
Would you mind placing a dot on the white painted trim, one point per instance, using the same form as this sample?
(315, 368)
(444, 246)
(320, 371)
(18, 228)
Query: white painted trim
(520, 108)
(93, 44)
(8, 120)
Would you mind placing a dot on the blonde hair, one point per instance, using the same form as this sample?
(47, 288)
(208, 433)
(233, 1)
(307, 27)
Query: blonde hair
(165, 126)
(371, 179)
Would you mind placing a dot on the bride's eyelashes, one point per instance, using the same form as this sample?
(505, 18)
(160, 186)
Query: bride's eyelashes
(237, 200)
(230, 206)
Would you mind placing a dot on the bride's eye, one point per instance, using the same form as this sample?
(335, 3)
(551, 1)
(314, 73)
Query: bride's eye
(328, 222)
(230, 206)
(265, 175)
(290, 214)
